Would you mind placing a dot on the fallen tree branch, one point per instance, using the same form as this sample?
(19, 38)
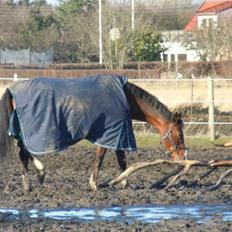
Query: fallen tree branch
(220, 163)
(222, 177)
(159, 182)
(133, 168)
(201, 177)
(185, 167)
(227, 144)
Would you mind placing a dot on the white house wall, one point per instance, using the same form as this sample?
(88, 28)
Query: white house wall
(207, 17)
(176, 48)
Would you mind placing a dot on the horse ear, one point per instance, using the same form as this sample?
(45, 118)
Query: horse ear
(177, 117)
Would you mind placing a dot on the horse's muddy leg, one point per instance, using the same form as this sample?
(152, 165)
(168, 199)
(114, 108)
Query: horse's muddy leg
(24, 165)
(100, 153)
(122, 165)
(39, 167)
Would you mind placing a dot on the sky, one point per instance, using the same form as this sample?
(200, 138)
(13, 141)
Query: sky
(53, 2)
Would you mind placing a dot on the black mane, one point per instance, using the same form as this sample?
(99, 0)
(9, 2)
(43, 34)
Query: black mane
(150, 99)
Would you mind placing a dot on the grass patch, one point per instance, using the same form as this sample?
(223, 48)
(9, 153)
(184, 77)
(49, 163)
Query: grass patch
(149, 140)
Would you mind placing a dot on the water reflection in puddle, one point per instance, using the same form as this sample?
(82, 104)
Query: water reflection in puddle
(143, 213)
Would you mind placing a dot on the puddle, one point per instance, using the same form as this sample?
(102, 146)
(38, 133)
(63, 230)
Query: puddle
(142, 213)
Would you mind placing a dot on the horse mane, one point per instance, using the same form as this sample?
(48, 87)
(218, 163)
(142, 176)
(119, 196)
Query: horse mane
(6, 141)
(150, 99)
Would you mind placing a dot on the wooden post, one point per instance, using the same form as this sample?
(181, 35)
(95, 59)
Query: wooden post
(132, 15)
(100, 30)
(211, 108)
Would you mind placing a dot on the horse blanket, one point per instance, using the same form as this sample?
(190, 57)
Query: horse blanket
(53, 113)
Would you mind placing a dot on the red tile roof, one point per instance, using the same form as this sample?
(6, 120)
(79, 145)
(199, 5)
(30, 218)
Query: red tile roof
(218, 8)
(208, 6)
(190, 26)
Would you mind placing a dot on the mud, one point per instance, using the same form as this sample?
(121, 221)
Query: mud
(66, 185)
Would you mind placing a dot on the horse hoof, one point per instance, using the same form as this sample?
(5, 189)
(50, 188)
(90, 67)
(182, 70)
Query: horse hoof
(27, 189)
(124, 184)
(41, 177)
(94, 188)
(26, 184)
(92, 183)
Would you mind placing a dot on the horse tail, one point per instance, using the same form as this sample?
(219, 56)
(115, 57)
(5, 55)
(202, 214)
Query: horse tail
(6, 108)
(228, 144)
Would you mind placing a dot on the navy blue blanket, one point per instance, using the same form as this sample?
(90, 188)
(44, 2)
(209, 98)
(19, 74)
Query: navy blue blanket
(52, 114)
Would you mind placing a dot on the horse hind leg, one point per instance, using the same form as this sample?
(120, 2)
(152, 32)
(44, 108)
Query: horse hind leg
(122, 165)
(24, 166)
(100, 153)
(39, 168)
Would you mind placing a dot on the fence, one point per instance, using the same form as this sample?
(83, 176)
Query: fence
(213, 95)
(26, 57)
(210, 95)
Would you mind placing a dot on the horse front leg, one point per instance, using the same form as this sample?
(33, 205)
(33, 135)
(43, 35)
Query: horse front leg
(97, 163)
(39, 168)
(122, 165)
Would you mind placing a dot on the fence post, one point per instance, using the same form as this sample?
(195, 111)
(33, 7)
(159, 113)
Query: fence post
(15, 78)
(211, 108)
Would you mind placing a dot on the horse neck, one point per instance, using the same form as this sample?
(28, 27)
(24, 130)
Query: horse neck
(145, 112)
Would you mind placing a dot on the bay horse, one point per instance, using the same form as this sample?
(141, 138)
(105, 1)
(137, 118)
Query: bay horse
(143, 107)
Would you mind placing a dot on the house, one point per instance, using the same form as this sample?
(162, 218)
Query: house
(210, 12)
(176, 51)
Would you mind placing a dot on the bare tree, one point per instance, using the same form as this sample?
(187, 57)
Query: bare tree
(213, 42)
(116, 34)
(117, 31)
(81, 30)
(172, 14)
(225, 39)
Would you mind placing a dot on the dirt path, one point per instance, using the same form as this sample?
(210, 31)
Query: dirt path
(66, 185)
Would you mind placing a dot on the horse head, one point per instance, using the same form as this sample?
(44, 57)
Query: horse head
(173, 138)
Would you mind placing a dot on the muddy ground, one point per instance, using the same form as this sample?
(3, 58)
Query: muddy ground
(66, 185)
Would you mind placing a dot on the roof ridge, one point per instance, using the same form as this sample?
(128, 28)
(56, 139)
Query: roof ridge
(213, 6)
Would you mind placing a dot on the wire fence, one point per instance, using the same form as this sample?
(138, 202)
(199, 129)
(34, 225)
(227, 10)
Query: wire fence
(195, 97)
(206, 103)
(191, 93)
(26, 57)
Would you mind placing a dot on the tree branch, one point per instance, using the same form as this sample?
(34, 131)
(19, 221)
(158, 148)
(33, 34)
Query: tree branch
(186, 165)
(222, 177)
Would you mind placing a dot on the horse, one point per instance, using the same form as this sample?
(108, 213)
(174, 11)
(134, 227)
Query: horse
(142, 106)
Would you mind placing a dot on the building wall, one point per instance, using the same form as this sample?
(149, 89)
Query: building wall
(176, 50)
(204, 20)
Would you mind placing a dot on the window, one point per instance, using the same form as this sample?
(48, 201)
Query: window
(207, 21)
(204, 23)
(172, 58)
(165, 57)
(182, 57)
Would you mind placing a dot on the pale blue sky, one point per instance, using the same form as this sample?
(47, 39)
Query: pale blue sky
(53, 2)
